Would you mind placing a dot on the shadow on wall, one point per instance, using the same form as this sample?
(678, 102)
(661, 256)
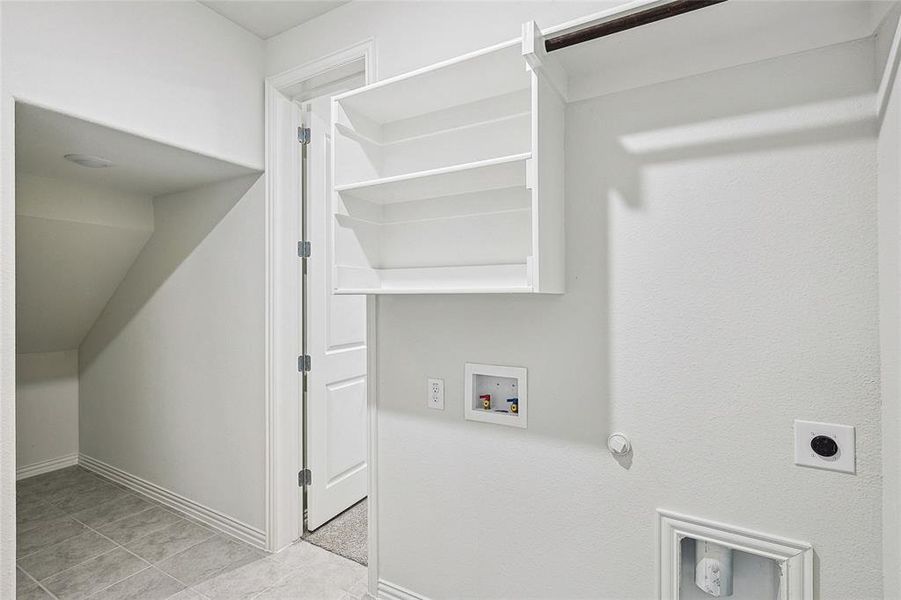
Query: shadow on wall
(613, 145)
(181, 222)
(738, 111)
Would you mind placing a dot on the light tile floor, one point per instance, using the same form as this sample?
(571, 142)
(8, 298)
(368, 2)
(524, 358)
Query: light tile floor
(80, 535)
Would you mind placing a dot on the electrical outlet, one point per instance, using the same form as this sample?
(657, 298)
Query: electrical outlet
(436, 394)
(824, 446)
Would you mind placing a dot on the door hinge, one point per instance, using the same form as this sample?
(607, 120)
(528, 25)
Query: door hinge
(303, 135)
(303, 363)
(303, 249)
(304, 477)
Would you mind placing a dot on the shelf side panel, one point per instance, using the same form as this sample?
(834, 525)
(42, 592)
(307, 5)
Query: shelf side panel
(549, 244)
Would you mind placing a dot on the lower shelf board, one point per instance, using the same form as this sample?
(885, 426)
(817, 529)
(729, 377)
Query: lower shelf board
(481, 279)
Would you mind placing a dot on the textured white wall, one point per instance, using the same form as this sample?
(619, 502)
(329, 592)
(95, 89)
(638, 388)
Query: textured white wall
(717, 288)
(46, 406)
(721, 281)
(889, 162)
(172, 377)
(7, 343)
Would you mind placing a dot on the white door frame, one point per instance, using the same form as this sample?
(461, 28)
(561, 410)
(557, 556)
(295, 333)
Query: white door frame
(7, 344)
(283, 502)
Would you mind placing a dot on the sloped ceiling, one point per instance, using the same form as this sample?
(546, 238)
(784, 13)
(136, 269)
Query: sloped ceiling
(79, 230)
(66, 273)
(141, 165)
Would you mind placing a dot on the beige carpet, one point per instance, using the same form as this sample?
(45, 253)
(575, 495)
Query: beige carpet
(345, 535)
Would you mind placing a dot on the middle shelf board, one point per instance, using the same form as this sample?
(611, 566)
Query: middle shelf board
(491, 174)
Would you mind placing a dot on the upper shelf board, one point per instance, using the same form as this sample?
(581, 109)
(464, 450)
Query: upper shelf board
(491, 72)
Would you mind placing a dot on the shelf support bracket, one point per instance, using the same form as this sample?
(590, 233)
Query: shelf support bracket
(541, 62)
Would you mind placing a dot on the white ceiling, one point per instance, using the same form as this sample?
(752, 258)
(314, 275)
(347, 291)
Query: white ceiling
(140, 165)
(267, 18)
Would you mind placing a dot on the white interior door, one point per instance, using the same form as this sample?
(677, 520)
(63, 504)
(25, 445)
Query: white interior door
(285, 228)
(336, 404)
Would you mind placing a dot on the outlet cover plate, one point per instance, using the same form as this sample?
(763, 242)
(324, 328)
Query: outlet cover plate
(843, 461)
(435, 394)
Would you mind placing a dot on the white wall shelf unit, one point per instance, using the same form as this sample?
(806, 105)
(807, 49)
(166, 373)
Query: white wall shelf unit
(449, 179)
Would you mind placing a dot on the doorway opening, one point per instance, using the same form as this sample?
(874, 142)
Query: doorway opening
(333, 439)
(335, 338)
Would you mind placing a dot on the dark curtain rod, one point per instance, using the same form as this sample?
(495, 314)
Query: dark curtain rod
(658, 13)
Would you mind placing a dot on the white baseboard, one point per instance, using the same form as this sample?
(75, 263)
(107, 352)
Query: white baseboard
(389, 591)
(204, 514)
(45, 466)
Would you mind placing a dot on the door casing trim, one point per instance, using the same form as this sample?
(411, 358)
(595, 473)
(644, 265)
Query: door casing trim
(282, 525)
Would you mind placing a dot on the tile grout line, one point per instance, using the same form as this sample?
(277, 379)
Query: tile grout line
(177, 512)
(150, 564)
(18, 558)
(82, 523)
(223, 572)
(210, 578)
(277, 582)
(52, 546)
(56, 503)
(110, 502)
(187, 587)
(68, 515)
(111, 522)
(157, 504)
(67, 569)
(87, 527)
(38, 583)
(122, 519)
(213, 533)
(95, 592)
(116, 545)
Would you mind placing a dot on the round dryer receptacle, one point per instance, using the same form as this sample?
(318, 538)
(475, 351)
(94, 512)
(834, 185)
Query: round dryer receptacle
(824, 446)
